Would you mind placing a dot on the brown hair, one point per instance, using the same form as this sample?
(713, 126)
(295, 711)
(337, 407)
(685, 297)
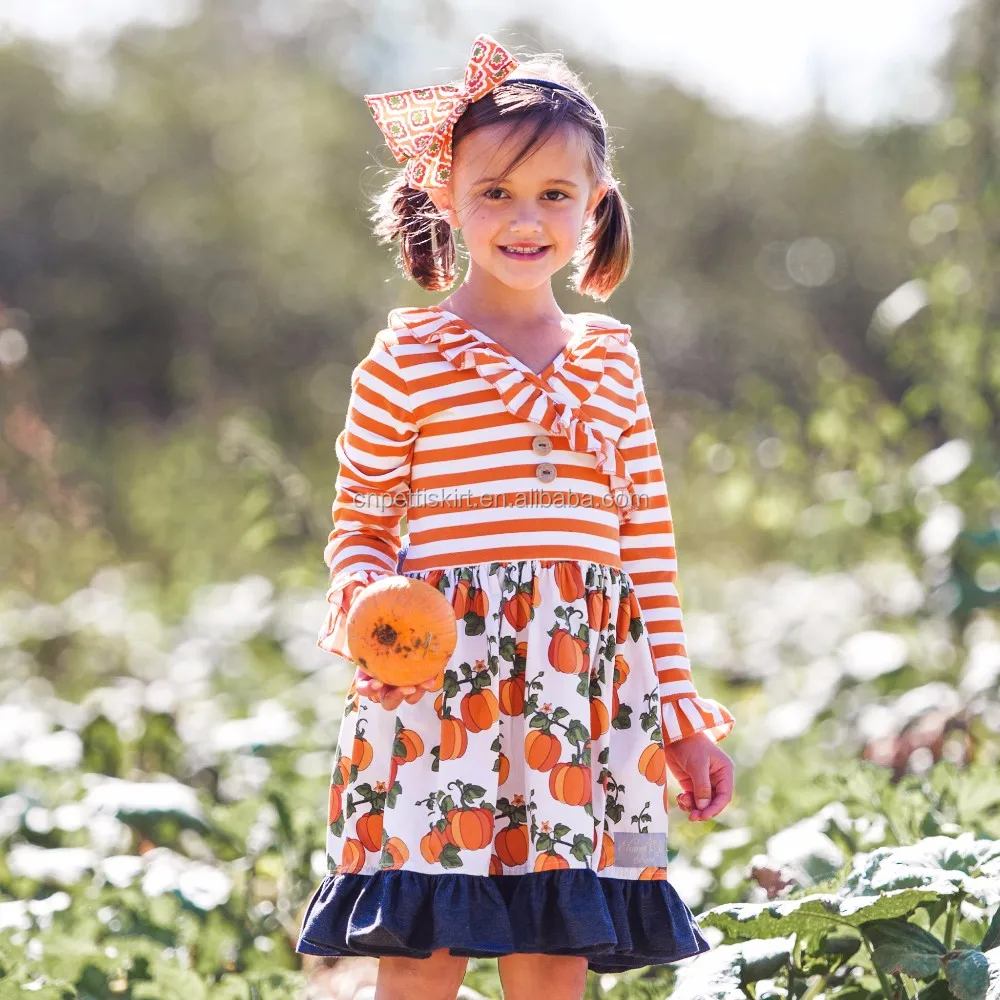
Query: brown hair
(426, 242)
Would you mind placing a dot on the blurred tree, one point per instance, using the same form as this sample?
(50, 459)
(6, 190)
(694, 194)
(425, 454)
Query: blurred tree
(194, 242)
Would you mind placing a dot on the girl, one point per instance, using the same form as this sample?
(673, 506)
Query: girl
(521, 811)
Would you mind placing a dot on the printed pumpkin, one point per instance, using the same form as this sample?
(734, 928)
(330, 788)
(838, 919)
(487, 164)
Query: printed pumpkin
(401, 630)
(480, 710)
(470, 829)
(512, 845)
(541, 750)
(352, 858)
(432, 844)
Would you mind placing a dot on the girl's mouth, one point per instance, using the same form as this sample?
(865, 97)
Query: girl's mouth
(524, 253)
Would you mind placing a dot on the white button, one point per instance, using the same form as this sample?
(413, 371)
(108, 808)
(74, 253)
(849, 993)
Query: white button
(541, 445)
(546, 472)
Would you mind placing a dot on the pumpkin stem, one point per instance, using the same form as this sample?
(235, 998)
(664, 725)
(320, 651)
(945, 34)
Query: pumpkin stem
(385, 634)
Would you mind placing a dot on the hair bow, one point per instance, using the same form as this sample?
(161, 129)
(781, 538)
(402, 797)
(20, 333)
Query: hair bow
(417, 124)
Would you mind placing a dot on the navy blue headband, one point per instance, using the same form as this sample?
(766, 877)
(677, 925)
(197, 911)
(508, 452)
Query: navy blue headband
(552, 85)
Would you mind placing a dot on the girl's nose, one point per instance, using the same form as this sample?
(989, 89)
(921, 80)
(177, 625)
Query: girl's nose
(526, 221)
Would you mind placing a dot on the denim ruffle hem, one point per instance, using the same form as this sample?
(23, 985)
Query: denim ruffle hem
(617, 924)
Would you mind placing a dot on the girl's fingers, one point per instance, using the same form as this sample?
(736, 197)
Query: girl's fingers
(389, 695)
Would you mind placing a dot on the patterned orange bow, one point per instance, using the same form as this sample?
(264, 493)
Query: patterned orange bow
(417, 123)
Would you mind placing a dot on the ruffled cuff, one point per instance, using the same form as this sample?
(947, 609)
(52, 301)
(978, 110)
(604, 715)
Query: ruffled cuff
(344, 588)
(686, 714)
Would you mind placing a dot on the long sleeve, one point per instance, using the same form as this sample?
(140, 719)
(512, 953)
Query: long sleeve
(650, 558)
(374, 451)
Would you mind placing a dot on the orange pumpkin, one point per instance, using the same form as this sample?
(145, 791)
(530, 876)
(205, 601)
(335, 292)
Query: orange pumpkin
(512, 845)
(621, 670)
(336, 794)
(370, 831)
(352, 857)
(550, 861)
(454, 739)
(607, 851)
(569, 579)
(517, 610)
(398, 853)
(570, 783)
(480, 602)
(634, 608)
(470, 828)
(504, 772)
(362, 753)
(615, 703)
(568, 653)
(413, 746)
(496, 868)
(401, 630)
(432, 844)
(460, 599)
(599, 720)
(541, 750)
(653, 764)
(536, 593)
(480, 710)
(344, 767)
(436, 682)
(512, 695)
(595, 608)
(653, 875)
(623, 621)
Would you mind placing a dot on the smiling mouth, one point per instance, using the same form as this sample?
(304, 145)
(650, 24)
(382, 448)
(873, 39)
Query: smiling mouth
(527, 252)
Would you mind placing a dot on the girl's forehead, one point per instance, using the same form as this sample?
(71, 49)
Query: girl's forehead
(488, 150)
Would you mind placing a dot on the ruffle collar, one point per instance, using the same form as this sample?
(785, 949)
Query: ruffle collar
(530, 396)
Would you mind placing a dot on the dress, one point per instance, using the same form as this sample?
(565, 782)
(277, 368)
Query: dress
(523, 808)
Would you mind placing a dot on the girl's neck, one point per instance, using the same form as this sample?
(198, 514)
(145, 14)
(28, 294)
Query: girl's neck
(483, 297)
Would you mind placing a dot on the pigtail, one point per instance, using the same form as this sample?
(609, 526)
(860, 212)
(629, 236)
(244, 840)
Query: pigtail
(426, 241)
(606, 249)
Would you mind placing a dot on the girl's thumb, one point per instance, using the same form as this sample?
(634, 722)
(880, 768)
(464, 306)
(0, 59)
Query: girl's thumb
(702, 787)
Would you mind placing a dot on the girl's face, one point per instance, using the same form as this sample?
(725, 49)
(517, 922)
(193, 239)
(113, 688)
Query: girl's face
(541, 206)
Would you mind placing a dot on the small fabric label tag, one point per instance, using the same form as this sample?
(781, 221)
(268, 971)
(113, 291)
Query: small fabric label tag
(640, 850)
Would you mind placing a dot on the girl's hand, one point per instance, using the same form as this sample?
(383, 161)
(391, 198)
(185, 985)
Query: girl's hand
(705, 774)
(388, 695)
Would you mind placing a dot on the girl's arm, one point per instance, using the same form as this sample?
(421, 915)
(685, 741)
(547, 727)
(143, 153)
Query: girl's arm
(374, 450)
(650, 558)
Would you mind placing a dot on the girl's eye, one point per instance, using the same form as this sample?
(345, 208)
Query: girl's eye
(494, 194)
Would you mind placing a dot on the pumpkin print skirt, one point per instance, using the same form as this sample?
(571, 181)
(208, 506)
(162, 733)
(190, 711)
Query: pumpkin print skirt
(522, 806)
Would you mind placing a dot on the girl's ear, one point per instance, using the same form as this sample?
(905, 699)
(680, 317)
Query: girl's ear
(596, 197)
(441, 197)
